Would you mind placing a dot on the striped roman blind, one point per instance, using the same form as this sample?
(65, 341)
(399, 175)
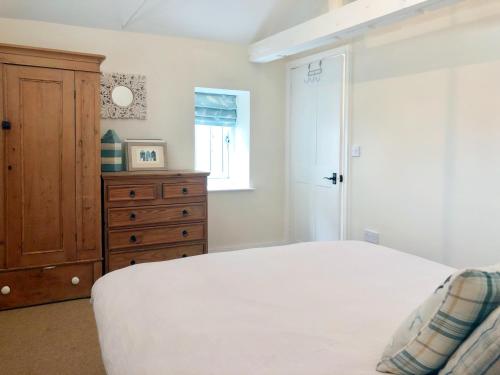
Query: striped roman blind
(215, 109)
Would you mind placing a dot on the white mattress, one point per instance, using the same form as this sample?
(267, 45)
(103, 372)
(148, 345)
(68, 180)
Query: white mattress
(308, 309)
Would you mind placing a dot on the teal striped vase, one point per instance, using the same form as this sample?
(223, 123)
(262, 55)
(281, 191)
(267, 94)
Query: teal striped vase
(111, 152)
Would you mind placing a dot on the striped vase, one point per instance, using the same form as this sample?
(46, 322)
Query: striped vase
(111, 152)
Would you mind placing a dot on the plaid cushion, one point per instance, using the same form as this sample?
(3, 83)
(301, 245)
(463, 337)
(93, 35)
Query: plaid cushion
(471, 296)
(480, 353)
(417, 319)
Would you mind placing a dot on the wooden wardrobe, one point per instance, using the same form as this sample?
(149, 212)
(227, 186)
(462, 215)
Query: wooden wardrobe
(50, 227)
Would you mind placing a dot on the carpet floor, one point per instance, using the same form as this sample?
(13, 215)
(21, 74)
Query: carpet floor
(55, 339)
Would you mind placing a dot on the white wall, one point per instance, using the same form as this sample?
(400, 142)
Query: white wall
(426, 111)
(173, 67)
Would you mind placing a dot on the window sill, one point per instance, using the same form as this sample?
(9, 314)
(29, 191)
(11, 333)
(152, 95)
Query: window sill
(222, 189)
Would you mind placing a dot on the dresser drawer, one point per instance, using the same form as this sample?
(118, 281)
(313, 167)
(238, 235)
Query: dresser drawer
(184, 190)
(42, 285)
(130, 193)
(121, 260)
(120, 217)
(131, 238)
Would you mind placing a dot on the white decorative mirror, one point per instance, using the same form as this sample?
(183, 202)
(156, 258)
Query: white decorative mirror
(123, 96)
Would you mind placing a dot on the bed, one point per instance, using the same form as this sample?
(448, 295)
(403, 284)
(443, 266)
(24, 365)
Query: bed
(309, 309)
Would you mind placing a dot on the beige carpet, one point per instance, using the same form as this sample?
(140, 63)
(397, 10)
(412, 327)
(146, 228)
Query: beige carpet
(55, 339)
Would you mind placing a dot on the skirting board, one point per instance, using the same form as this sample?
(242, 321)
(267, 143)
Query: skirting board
(220, 249)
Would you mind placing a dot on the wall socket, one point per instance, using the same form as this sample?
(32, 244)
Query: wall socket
(372, 236)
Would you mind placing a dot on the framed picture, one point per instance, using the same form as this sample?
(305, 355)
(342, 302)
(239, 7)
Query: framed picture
(144, 156)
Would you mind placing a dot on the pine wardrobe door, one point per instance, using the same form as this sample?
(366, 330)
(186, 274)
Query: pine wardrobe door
(88, 165)
(40, 177)
(2, 174)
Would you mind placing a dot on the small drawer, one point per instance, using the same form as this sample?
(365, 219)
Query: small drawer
(125, 239)
(42, 285)
(183, 190)
(121, 260)
(120, 217)
(130, 193)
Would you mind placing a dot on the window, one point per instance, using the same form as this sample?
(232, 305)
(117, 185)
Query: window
(222, 137)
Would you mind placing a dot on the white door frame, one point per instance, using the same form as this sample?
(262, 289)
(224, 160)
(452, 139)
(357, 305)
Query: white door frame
(345, 138)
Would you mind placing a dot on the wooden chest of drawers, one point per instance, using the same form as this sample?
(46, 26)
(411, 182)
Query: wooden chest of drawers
(153, 216)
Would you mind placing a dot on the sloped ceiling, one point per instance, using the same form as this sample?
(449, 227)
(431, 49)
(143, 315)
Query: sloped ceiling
(239, 21)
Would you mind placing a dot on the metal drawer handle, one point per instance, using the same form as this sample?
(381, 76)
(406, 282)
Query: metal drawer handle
(133, 238)
(185, 233)
(133, 216)
(6, 290)
(185, 213)
(132, 194)
(185, 190)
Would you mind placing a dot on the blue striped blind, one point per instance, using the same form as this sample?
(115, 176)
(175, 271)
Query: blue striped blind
(215, 109)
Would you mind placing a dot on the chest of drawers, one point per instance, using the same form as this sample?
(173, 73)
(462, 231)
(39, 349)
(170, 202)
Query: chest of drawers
(153, 216)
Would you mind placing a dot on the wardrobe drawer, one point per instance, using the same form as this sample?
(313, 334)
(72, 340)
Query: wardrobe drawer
(155, 236)
(184, 190)
(130, 193)
(42, 285)
(121, 260)
(120, 217)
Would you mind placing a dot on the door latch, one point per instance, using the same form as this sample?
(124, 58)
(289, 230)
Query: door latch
(6, 125)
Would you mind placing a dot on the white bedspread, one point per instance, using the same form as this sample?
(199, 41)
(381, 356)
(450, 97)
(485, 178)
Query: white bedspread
(308, 309)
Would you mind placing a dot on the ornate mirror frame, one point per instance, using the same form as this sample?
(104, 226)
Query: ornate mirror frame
(136, 83)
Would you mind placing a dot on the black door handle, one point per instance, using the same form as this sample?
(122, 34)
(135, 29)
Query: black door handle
(6, 125)
(333, 179)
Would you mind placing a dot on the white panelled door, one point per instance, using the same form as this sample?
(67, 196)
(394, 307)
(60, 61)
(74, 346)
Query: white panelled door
(316, 144)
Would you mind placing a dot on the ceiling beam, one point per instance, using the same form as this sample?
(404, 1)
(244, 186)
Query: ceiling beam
(133, 15)
(352, 19)
(334, 4)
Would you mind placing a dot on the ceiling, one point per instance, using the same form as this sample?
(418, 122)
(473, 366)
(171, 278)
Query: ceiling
(240, 21)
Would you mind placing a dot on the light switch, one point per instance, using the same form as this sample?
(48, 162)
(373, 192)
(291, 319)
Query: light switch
(356, 151)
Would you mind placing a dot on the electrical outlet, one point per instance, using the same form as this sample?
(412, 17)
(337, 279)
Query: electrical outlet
(372, 236)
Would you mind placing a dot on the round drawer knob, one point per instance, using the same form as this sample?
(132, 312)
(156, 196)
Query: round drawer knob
(132, 194)
(75, 280)
(5, 290)
(185, 233)
(132, 262)
(133, 238)
(185, 213)
(133, 216)
(185, 190)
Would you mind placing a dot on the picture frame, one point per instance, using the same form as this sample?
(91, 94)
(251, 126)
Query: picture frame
(146, 156)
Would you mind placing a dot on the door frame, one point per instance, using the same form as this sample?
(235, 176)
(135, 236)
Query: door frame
(345, 127)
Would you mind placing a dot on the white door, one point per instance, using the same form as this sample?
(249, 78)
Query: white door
(316, 134)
